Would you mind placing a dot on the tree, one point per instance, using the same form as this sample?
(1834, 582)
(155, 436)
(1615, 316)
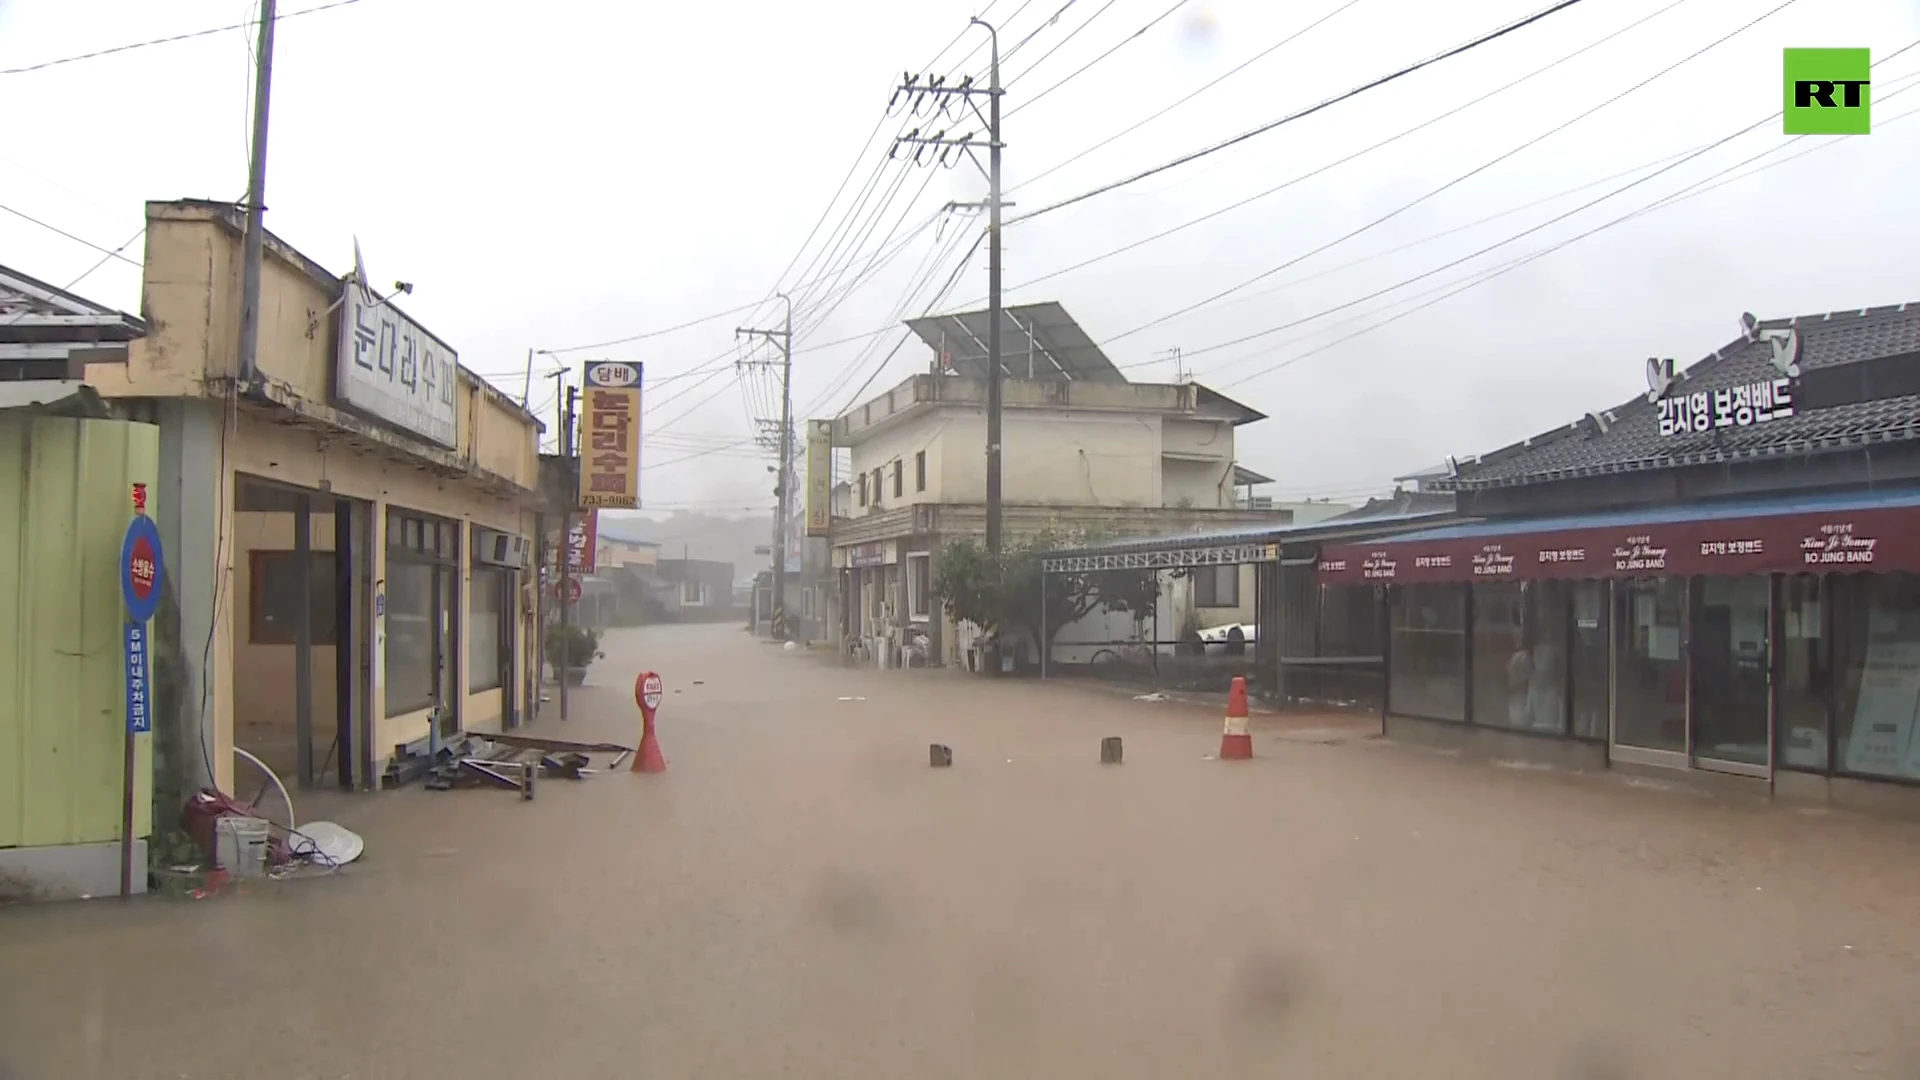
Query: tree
(1010, 595)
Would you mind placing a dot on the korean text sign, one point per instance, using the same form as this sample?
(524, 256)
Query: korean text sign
(819, 477)
(610, 436)
(392, 369)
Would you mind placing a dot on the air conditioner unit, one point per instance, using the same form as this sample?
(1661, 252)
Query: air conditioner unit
(495, 548)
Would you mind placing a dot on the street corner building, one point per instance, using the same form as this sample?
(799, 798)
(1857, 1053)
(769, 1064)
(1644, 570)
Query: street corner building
(1720, 576)
(347, 522)
(1085, 450)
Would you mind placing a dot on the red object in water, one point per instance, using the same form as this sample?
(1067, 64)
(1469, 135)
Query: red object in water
(648, 688)
(1236, 743)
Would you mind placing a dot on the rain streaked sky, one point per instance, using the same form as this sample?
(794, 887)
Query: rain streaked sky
(580, 171)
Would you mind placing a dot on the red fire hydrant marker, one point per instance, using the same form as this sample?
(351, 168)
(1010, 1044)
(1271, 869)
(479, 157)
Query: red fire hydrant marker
(647, 691)
(1236, 743)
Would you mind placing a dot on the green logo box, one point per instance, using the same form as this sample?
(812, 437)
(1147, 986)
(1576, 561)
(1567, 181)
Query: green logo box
(1828, 92)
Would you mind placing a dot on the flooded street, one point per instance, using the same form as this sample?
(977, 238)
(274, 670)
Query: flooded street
(800, 895)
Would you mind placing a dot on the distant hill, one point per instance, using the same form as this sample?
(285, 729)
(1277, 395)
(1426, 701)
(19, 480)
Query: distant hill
(698, 536)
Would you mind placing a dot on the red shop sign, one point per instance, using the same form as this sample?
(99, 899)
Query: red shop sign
(1820, 542)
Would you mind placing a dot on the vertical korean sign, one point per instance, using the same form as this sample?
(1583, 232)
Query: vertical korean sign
(610, 436)
(140, 563)
(819, 477)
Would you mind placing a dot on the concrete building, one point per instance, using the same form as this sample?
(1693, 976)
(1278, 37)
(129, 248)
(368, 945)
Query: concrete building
(348, 528)
(1084, 452)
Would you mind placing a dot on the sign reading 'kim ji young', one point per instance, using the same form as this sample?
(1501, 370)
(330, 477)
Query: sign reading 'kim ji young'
(610, 436)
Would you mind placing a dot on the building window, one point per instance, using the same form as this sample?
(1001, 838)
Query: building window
(1876, 631)
(878, 487)
(1520, 655)
(421, 612)
(1650, 667)
(899, 478)
(920, 471)
(863, 489)
(1216, 586)
(1427, 643)
(1806, 671)
(490, 600)
(690, 593)
(274, 596)
(919, 586)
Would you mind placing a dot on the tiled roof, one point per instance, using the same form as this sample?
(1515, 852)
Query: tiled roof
(1630, 439)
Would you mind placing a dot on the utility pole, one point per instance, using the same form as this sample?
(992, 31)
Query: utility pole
(256, 203)
(784, 338)
(564, 402)
(934, 95)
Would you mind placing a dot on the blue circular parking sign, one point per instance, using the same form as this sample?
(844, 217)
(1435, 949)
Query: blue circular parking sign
(140, 565)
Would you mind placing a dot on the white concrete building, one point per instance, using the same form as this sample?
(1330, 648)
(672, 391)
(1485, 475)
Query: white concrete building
(1083, 451)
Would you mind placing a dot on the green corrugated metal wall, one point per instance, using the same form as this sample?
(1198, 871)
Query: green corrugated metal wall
(65, 499)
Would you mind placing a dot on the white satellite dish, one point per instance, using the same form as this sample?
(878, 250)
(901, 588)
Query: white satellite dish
(1787, 346)
(1749, 326)
(1659, 377)
(360, 275)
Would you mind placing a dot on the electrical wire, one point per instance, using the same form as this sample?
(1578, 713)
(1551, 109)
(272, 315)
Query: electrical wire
(43, 65)
(1484, 276)
(1483, 166)
(1192, 156)
(1362, 152)
(78, 240)
(1077, 72)
(931, 304)
(1138, 124)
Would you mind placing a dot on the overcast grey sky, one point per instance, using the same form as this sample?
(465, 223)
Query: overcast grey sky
(581, 170)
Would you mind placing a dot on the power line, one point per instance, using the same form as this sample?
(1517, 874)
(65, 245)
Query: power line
(1485, 165)
(1058, 45)
(1077, 72)
(43, 65)
(1494, 272)
(78, 240)
(931, 304)
(1137, 125)
(1494, 35)
(1362, 152)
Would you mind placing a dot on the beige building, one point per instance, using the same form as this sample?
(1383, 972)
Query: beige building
(1083, 451)
(347, 528)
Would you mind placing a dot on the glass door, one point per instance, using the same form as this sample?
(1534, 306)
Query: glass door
(1732, 675)
(1650, 672)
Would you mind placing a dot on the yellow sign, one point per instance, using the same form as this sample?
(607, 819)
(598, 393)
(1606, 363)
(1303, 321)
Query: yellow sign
(610, 436)
(819, 477)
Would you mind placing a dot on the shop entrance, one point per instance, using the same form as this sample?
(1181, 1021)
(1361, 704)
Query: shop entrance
(1650, 686)
(298, 576)
(1732, 683)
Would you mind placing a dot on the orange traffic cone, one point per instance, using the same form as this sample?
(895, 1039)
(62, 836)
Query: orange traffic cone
(1236, 744)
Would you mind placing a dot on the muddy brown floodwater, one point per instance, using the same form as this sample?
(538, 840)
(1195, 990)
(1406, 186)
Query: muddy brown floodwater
(800, 895)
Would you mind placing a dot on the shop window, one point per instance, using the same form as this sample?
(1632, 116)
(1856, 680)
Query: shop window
(412, 624)
(1427, 659)
(274, 597)
(1806, 674)
(899, 478)
(1588, 661)
(1216, 586)
(1349, 621)
(1520, 655)
(1650, 680)
(489, 603)
(422, 601)
(920, 471)
(1877, 657)
(919, 586)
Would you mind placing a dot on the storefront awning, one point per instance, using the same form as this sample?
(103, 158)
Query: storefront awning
(1843, 532)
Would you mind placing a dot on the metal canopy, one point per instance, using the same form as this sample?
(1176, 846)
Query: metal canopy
(1037, 341)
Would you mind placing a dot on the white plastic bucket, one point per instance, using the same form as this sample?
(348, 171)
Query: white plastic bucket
(240, 845)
